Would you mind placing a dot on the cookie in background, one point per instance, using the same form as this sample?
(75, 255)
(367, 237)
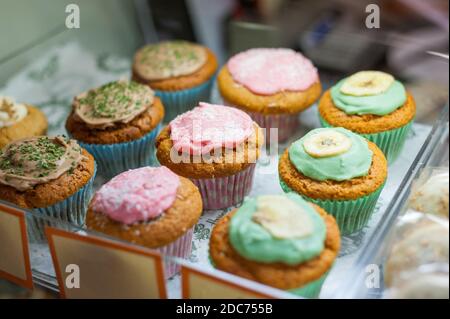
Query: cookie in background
(419, 249)
(273, 85)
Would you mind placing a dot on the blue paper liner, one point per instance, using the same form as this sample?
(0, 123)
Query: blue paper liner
(113, 159)
(178, 102)
(71, 210)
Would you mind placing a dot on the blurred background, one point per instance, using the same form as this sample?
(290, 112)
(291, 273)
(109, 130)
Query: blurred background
(332, 33)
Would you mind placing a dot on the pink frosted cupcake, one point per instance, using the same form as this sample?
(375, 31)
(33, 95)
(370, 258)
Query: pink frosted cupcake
(148, 206)
(272, 85)
(216, 147)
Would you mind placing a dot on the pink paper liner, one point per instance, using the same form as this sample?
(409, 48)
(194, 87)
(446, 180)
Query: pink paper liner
(287, 124)
(223, 192)
(180, 248)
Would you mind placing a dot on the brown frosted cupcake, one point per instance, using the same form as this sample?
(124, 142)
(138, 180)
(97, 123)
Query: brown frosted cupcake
(272, 85)
(373, 104)
(18, 121)
(180, 72)
(278, 240)
(149, 206)
(338, 170)
(52, 176)
(217, 148)
(117, 123)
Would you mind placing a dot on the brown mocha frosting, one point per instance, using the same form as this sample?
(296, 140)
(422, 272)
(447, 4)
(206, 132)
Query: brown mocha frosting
(112, 103)
(37, 160)
(169, 59)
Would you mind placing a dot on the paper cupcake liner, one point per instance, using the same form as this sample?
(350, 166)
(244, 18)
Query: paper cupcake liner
(351, 215)
(180, 248)
(223, 192)
(113, 159)
(287, 124)
(312, 289)
(71, 210)
(390, 142)
(178, 102)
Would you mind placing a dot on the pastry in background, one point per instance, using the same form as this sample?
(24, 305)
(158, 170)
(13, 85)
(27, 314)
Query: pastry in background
(151, 207)
(432, 196)
(373, 104)
(18, 121)
(181, 73)
(117, 123)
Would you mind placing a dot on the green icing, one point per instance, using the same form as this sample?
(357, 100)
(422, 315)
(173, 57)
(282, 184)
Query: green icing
(380, 104)
(169, 55)
(355, 162)
(254, 242)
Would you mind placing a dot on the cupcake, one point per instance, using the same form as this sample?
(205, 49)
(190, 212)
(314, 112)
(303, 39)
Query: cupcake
(52, 176)
(272, 85)
(18, 121)
(430, 282)
(151, 207)
(374, 105)
(117, 123)
(216, 147)
(180, 72)
(278, 240)
(338, 170)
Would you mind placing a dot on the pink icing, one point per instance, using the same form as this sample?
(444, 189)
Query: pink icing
(208, 127)
(269, 71)
(137, 195)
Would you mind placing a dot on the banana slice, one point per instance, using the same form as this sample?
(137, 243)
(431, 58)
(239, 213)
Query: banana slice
(367, 83)
(282, 217)
(327, 143)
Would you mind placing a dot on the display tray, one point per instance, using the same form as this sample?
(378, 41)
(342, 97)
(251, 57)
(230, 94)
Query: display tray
(52, 80)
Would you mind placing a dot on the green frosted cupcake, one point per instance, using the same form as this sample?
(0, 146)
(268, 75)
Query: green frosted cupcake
(51, 176)
(374, 105)
(338, 170)
(278, 240)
